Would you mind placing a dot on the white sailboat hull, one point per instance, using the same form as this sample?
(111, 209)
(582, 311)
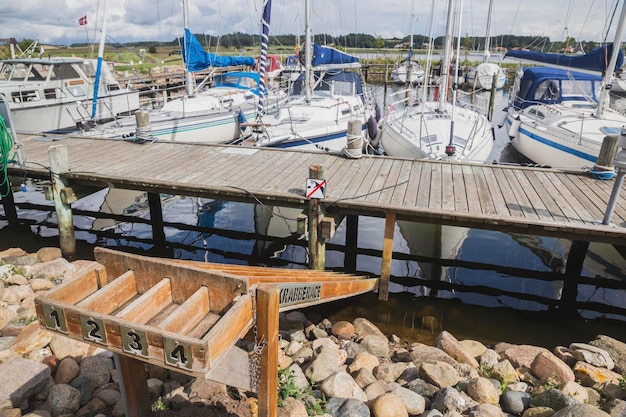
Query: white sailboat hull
(482, 76)
(423, 132)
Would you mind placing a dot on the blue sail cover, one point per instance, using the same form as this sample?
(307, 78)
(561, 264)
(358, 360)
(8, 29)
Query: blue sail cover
(197, 59)
(325, 55)
(596, 60)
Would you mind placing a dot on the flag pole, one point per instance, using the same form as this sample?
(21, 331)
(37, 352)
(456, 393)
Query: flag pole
(99, 65)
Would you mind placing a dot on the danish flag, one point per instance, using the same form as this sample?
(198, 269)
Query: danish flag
(83, 20)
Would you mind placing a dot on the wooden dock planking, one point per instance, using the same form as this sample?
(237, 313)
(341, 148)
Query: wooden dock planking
(392, 181)
(372, 193)
(547, 197)
(498, 197)
(533, 196)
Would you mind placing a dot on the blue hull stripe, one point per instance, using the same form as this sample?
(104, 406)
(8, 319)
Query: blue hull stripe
(552, 144)
(296, 143)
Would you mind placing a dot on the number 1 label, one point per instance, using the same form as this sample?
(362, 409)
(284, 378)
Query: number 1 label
(54, 318)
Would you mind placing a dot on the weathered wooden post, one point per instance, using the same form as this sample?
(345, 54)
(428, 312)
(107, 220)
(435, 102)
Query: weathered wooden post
(156, 220)
(492, 96)
(354, 138)
(620, 164)
(59, 163)
(385, 270)
(267, 339)
(144, 131)
(133, 385)
(316, 185)
(606, 155)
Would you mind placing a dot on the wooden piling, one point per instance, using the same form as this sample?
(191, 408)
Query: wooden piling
(59, 163)
(608, 150)
(267, 340)
(144, 131)
(133, 385)
(492, 96)
(385, 272)
(354, 138)
(317, 244)
(156, 220)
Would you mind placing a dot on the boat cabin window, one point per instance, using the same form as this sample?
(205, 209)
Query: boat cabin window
(52, 93)
(571, 88)
(342, 88)
(64, 72)
(430, 140)
(536, 113)
(547, 90)
(76, 91)
(23, 96)
(17, 71)
(34, 73)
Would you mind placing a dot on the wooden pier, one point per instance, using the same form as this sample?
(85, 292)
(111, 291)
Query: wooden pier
(497, 197)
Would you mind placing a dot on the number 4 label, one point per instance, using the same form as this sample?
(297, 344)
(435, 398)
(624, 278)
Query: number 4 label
(177, 353)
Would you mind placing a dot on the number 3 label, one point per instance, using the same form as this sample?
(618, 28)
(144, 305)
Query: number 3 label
(134, 341)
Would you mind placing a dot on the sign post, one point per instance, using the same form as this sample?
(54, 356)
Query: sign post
(315, 190)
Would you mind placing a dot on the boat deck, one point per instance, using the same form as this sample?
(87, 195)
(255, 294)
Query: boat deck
(497, 197)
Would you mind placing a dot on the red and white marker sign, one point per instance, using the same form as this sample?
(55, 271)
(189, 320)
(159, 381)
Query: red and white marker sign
(315, 188)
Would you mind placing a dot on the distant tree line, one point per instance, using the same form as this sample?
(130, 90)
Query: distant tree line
(240, 40)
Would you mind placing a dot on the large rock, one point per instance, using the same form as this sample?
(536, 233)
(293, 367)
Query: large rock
(364, 327)
(422, 353)
(346, 407)
(21, 379)
(483, 391)
(67, 370)
(97, 369)
(33, 337)
(63, 399)
(592, 355)
(522, 356)
(449, 344)
(615, 348)
(592, 376)
(439, 374)
(48, 254)
(63, 347)
(554, 399)
(388, 405)
(580, 410)
(341, 384)
(414, 403)
(364, 360)
(548, 365)
(324, 365)
(376, 345)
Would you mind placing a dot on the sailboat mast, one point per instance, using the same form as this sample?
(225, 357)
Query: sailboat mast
(96, 84)
(307, 51)
(486, 54)
(608, 74)
(188, 77)
(430, 51)
(445, 62)
(412, 28)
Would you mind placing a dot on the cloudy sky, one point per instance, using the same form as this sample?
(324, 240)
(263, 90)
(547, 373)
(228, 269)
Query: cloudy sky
(56, 21)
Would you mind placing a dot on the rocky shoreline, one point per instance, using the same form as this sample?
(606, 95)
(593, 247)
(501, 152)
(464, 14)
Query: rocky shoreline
(334, 369)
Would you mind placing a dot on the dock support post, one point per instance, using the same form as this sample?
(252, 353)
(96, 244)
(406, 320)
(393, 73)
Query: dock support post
(59, 163)
(267, 328)
(7, 200)
(352, 234)
(133, 385)
(492, 97)
(385, 272)
(606, 155)
(573, 270)
(317, 244)
(620, 164)
(156, 220)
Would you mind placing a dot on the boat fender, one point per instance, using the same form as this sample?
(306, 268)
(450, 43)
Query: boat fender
(372, 128)
(514, 128)
(377, 112)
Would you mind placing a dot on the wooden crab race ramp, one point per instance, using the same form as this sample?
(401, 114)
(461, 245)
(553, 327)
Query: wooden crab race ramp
(187, 316)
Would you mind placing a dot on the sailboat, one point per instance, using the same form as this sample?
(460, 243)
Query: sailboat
(438, 129)
(320, 103)
(211, 115)
(558, 115)
(482, 76)
(409, 71)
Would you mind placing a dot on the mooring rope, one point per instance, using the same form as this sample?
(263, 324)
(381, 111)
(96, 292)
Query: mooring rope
(6, 146)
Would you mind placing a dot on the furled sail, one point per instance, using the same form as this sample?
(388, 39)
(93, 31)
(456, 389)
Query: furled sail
(197, 59)
(325, 55)
(596, 60)
(265, 21)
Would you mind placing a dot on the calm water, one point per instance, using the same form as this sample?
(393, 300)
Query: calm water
(472, 260)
